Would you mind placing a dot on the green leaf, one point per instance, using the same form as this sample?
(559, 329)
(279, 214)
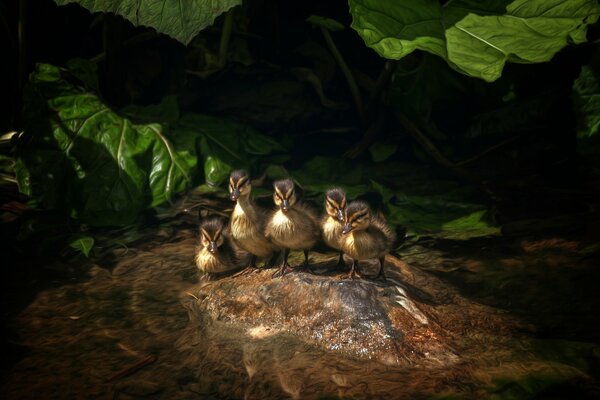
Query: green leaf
(324, 22)
(327, 170)
(382, 151)
(7, 164)
(85, 71)
(166, 111)
(223, 145)
(476, 38)
(440, 216)
(180, 20)
(216, 171)
(80, 156)
(171, 170)
(386, 193)
(274, 172)
(586, 103)
(83, 244)
(586, 91)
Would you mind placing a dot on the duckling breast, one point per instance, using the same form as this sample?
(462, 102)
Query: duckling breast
(208, 262)
(360, 246)
(332, 233)
(242, 224)
(249, 236)
(292, 230)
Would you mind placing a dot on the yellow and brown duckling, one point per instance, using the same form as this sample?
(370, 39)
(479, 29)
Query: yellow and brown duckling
(293, 225)
(247, 220)
(215, 253)
(365, 237)
(332, 222)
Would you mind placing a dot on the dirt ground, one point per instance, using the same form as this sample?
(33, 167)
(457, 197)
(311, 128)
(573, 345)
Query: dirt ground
(517, 311)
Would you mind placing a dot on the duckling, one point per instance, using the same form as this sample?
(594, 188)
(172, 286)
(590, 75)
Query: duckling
(365, 236)
(292, 226)
(332, 222)
(248, 220)
(215, 254)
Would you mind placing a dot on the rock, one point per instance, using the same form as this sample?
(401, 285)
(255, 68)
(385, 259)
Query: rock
(357, 318)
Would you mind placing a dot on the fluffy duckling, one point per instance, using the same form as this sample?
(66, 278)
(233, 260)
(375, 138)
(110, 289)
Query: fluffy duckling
(215, 254)
(365, 236)
(292, 226)
(332, 222)
(248, 220)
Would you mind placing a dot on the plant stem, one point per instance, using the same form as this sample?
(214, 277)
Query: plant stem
(22, 60)
(431, 149)
(225, 37)
(347, 74)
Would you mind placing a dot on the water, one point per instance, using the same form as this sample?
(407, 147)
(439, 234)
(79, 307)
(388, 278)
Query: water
(502, 318)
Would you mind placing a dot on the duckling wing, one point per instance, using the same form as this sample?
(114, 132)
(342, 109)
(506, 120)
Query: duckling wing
(385, 233)
(311, 219)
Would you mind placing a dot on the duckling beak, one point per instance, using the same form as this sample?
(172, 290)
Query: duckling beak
(285, 205)
(347, 228)
(212, 247)
(340, 216)
(235, 194)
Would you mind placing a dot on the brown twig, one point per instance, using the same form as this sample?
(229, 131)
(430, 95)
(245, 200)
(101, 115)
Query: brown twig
(486, 151)
(430, 148)
(131, 369)
(368, 138)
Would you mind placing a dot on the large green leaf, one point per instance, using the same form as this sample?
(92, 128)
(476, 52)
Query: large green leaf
(81, 156)
(180, 20)
(586, 101)
(407, 196)
(440, 216)
(223, 145)
(476, 38)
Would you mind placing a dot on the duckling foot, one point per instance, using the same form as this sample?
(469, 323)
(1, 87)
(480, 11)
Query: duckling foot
(381, 273)
(354, 273)
(380, 276)
(273, 260)
(304, 268)
(251, 269)
(283, 270)
(341, 264)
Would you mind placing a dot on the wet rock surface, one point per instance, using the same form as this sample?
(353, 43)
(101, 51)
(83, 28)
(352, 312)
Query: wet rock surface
(358, 318)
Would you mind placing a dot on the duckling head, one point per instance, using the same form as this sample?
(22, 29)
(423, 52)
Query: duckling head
(211, 234)
(335, 204)
(239, 184)
(358, 217)
(285, 194)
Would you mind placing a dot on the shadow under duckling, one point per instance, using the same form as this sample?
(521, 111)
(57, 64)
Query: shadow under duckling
(293, 226)
(216, 253)
(365, 236)
(332, 223)
(247, 222)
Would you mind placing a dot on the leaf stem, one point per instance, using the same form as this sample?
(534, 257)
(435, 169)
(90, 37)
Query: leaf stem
(22, 49)
(225, 37)
(347, 74)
